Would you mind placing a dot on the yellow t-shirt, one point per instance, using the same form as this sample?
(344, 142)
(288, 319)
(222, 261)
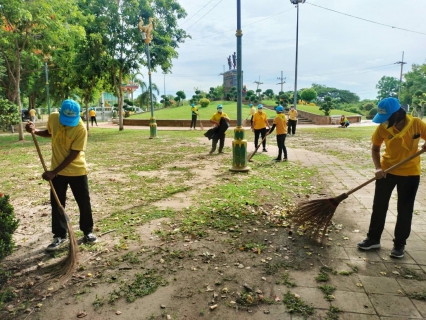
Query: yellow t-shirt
(65, 139)
(401, 145)
(280, 122)
(292, 114)
(259, 120)
(92, 113)
(217, 116)
(194, 110)
(32, 112)
(252, 110)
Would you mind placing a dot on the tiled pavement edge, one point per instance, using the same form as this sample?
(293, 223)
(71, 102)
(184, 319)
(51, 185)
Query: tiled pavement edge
(383, 291)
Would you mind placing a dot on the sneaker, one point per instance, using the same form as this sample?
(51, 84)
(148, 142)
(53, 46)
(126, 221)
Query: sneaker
(90, 238)
(220, 152)
(211, 151)
(277, 159)
(398, 251)
(56, 243)
(285, 159)
(368, 244)
(264, 150)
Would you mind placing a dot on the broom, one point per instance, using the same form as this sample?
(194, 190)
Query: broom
(316, 214)
(258, 146)
(69, 263)
(201, 125)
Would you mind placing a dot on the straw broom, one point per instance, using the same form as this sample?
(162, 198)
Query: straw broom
(67, 266)
(258, 146)
(316, 214)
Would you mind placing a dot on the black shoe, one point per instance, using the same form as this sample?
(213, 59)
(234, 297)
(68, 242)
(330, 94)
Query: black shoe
(277, 159)
(211, 151)
(220, 151)
(56, 243)
(264, 150)
(90, 238)
(285, 159)
(369, 244)
(398, 251)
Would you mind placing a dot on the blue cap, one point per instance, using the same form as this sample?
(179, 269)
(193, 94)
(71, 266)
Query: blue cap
(385, 109)
(260, 106)
(219, 106)
(69, 115)
(192, 104)
(251, 104)
(279, 109)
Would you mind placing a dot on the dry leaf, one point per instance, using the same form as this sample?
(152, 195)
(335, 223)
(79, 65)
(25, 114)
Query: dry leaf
(383, 273)
(359, 285)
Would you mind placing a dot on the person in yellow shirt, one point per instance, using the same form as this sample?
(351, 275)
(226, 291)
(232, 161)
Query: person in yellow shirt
(259, 124)
(92, 114)
(68, 168)
(252, 112)
(280, 122)
(292, 121)
(221, 121)
(32, 114)
(401, 135)
(344, 122)
(194, 113)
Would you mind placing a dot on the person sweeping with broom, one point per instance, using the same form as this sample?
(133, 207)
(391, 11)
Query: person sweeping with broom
(401, 135)
(68, 167)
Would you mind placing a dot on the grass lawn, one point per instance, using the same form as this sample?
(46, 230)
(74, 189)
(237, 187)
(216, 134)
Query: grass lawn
(229, 107)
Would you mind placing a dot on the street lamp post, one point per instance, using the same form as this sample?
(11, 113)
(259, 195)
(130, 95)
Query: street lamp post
(47, 57)
(239, 144)
(296, 3)
(147, 37)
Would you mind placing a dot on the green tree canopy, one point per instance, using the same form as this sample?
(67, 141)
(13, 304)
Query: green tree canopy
(308, 94)
(343, 96)
(387, 87)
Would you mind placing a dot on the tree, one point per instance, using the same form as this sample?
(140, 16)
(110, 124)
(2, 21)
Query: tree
(269, 93)
(28, 26)
(143, 98)
(308, 95)
(327, 106)
(415, 80)
(368, 106)
(387, 87)
(204, 102)
(9, 114)
(180, 96)
(343, 96)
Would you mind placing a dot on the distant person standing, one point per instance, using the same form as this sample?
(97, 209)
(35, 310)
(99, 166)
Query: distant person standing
(259, 124)
(252, 112)
(92, 114)
(221, 121)
(280, 122)
(32, 114)
(194, 113)
(292, 121)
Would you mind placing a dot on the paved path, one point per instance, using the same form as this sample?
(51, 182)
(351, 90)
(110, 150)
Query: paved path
(382, 292)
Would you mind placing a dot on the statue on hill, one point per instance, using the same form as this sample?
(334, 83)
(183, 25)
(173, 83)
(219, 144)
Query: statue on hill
(229, 63)
(234, 60)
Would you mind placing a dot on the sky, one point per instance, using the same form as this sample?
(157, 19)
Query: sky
(346, 44)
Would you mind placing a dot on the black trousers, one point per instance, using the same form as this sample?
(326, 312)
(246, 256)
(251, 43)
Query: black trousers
(221, 143)
(281, 146)
(262, 133)
(80, 189)
(193, 121)
(407, 189)
(93, 119)
(292, 126)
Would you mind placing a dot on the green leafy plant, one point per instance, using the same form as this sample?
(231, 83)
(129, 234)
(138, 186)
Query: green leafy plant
(8, 225)
(204, 102)
(9, 114)
(327, 290)
(296, 305)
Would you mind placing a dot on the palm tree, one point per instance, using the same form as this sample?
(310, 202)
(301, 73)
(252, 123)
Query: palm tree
(144, 96)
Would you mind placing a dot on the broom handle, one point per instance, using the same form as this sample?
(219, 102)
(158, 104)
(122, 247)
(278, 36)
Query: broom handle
(388, 170)
(45, 168)
(258, 146)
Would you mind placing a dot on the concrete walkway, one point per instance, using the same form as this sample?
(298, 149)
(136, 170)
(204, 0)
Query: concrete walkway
(378, 290)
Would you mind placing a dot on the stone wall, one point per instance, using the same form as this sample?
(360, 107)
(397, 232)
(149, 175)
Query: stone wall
(317, 119)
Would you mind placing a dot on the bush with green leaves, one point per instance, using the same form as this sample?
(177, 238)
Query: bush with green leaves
(327, 106)
(372, 113)
(204, 102)
(9, 114)
(8, 224)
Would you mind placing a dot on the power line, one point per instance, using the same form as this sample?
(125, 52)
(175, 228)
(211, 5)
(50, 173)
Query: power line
(246, 25)
(204, 15)
(195, 13)
(371, 21)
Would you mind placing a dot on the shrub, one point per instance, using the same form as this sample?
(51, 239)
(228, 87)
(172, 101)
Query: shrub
(8, 225)
(204, 102)
(9, 114)
(372, 113)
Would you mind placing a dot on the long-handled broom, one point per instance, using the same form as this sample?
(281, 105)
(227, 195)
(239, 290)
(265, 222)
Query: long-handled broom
(68, 265)
(316, 214)
(258, 146)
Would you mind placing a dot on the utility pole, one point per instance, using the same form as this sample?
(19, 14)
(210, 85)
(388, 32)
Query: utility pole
(400, 75)
(258, 83)
(282, 81)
